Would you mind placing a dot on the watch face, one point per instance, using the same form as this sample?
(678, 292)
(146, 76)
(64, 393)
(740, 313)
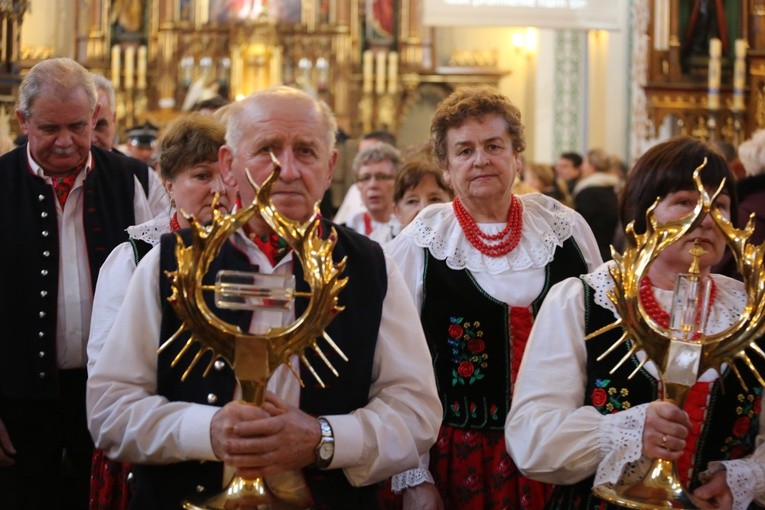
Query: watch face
(326, 450)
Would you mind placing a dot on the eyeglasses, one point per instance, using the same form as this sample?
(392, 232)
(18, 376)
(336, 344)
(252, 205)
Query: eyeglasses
(379, 176)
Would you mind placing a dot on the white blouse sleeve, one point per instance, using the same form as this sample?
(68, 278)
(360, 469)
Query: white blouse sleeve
(113, 279)
(549, 433)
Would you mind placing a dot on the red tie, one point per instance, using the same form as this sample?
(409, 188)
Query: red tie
(63, 185)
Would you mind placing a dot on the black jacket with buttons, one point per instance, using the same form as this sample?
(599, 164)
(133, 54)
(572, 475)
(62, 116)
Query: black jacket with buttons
(29, 261)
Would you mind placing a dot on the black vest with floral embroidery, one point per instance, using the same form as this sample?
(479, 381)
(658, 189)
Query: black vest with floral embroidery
(477, 342)
(733, 410)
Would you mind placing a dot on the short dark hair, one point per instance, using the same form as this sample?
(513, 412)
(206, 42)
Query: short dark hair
(381, 136)
(668, 167)
(574, 157)
(471, 103)
(412, 172)
(190, 140)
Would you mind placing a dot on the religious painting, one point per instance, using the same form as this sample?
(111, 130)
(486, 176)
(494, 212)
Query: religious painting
(129, 21)
(282, 11)
(380, 22)
(702, 20)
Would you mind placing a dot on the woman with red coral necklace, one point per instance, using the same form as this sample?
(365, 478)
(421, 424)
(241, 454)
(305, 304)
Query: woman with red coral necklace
(577, 425)
(478, 269)
(191, 174)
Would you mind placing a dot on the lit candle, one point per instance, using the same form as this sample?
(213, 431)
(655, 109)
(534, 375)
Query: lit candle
(116, 66)
(392, 72)
(141, 67)
(367, 72)
(129, 67)
(739, 75)
(380, 73)
(713, 95)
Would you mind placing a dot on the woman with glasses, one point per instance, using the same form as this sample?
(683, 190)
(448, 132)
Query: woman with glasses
(478, 268)
(375, 169)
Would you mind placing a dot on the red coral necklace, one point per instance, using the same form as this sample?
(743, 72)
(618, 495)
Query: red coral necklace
(502, 242)
(653, 308)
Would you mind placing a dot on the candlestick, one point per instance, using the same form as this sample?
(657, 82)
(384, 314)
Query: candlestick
(713, 95)
(141, 67)
(116, 69)
(739, 75)
(380, 73)
(392, 72)
(129, 67)
(367, 72)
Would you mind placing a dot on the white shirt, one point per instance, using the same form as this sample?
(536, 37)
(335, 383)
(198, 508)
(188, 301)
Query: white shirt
(130, 422)
(516, 279)
(113, 280)
(553, 438)
(75, 295)
(352, 203)
(381, 232)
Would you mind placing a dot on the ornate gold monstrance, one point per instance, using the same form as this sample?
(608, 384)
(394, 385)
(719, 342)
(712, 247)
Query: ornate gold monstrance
(661, 487)
(255, 357)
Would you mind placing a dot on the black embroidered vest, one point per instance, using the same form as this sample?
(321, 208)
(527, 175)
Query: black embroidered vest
(471, 340)
(354, 330)
(29, 259)
(733, 411)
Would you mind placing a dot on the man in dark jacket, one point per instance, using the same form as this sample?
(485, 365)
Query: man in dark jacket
(317, 447)
(63, 207)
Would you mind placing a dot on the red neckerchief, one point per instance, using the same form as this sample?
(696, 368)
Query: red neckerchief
(62, 185)
(367, 224)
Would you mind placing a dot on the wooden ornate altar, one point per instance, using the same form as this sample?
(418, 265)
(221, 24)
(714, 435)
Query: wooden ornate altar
(366, 65)
(679, 83)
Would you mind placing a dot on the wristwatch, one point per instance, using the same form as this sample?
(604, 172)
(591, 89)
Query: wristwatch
(325, 450)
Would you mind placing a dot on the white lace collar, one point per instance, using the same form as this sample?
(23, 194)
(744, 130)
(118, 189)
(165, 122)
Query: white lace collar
(150, 231)
(727, 308)
(546, 224)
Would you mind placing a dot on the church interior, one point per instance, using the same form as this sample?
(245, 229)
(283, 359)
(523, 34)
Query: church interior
(585, 73)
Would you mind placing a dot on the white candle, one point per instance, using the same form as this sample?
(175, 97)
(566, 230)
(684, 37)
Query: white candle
(380, 73)
(366, 73)
(392, 72)
(129, 67)
(661, 25)
(739, 75)
(713, 96)
(116, 66)
(141, 67)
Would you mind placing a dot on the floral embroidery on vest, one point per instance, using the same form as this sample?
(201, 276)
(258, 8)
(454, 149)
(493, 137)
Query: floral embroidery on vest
(467, 350)
(608, 399)
(745, 428)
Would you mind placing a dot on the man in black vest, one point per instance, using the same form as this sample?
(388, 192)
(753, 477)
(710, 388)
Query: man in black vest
(104, 135)
(321, 448)
(63, 207)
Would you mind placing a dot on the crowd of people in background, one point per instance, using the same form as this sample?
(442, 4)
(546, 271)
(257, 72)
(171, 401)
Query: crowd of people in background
(473, 277)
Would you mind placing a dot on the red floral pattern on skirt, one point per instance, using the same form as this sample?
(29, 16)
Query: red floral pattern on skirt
(109, 488)
(473, 470)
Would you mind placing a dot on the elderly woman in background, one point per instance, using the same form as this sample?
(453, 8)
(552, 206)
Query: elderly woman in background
(419, 184)
(478, 269)
(375, 169)
(190, 171)
(577, 425)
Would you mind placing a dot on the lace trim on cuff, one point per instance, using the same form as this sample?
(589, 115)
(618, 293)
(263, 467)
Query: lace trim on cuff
(410, 478)
(621, 445)
(745, 479)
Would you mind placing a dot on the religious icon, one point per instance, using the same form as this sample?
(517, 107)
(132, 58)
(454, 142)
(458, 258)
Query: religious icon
(129, 21)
